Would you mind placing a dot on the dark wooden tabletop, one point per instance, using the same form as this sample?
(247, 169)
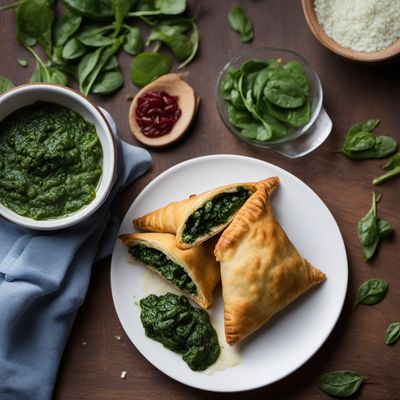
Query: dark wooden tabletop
(94, 358)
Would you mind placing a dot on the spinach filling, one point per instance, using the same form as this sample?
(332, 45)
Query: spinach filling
(215, 212)
(171, 271)
(180, 327)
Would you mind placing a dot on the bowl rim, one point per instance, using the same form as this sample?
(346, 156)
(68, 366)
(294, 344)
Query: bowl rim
(300, 131)
(361, 56)
(111, 148)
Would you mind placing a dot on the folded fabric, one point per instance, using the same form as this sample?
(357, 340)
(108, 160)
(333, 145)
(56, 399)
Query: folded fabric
(44, 278)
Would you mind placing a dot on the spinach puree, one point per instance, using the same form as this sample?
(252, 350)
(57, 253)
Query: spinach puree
(172, 272)
(50, 161)
(180, 327)
(215, 212)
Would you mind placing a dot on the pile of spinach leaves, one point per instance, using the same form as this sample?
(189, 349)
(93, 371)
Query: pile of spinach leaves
(266, 98)
(84, 42)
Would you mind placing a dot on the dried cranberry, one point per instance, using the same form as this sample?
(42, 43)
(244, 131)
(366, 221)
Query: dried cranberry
(156, 113)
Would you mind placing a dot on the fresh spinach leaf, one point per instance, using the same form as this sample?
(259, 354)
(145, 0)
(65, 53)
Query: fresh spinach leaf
(371, 230)
(94, 9)
(73, 49)
(148, 66)
(121, 10)
(392, 334)
(340, 383)
(95, 66)
(133, 41)
(241, 23)
(108, 82)
(360, 143)
(158, 7)
(95, 36)
(66, 27)
(35, 20)
(393, 169)
(371, 292)
(5, 84)
(285, 94)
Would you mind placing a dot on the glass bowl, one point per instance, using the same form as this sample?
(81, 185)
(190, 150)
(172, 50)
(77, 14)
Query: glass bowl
(263, 54)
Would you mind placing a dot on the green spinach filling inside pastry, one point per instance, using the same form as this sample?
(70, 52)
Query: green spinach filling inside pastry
(213, 213)
(171, 271)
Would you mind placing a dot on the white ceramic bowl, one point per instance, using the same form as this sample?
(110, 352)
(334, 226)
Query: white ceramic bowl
(25, 95)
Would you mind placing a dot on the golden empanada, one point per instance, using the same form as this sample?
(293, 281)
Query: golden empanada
(199, 217)
(261, 270)
(194, 271)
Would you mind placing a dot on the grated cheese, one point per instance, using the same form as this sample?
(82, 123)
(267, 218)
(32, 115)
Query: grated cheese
(361, 25)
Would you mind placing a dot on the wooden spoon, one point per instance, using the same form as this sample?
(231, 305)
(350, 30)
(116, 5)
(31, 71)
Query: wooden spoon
(174, 85)
(328, 42)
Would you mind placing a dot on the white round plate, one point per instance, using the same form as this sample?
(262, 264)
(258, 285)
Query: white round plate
(291, 337)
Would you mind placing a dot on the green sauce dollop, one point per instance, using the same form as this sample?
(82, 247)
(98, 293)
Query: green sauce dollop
(171, 271)
(180, 327)
(215, 212)
(50, 161)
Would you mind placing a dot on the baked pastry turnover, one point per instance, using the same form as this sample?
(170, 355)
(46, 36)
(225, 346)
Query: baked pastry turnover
(261, 270)
(194, 271)
(199, 217)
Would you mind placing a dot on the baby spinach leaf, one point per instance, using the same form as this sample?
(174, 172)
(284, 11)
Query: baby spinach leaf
(241, 23)
(35, 20)
(133, 41)
(158, 7)
(87, 65)
(102, 60)
(285, 94)
(108, 82)
(393, 169)
(98, 9)
(371, 230)
(147, 67)
(371, 292)
(95, 36)
(5, 84)
(66, 27)
(73, 49)
(121, 10)
(361, 144)
(22, 62)
(392, 334)
(340, 383)
(112, 64)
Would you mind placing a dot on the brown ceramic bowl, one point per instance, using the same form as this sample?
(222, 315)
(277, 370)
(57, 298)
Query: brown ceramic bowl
(329, 43)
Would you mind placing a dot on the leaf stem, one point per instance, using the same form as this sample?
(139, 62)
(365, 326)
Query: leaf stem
(195, 41)
(385, 177)
(39, 61)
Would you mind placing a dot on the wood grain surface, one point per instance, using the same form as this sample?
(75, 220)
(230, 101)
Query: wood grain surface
(94, 358)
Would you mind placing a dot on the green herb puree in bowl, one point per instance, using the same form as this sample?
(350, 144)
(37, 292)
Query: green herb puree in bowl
(50, 161)
(180, 327)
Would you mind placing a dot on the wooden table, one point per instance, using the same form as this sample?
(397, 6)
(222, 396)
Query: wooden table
(352, 93)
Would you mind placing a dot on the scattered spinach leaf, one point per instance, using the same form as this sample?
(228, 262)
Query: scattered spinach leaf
(393, 169)
(133, 41)
(371, 230)
(371, 292)
(360, 143)
(22, 62)
(158, 7)
(147, 67)
(241, 23)
(108, 82)
(392, 334)
(73, 49)
(66, 27)
(121, 10)
(34, 22)
(340, 383)
(5, 84)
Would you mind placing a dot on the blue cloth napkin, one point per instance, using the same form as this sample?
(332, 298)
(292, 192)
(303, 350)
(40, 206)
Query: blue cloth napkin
(44, 277)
